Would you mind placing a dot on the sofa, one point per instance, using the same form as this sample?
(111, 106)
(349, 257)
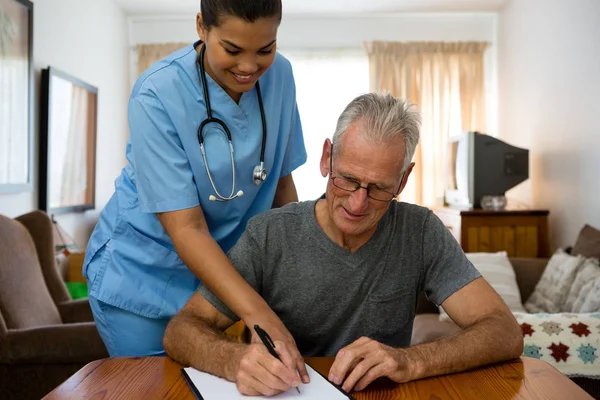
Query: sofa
(45, 336)
(428, 326)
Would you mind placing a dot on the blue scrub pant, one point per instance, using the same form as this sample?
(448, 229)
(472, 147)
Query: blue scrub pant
(127, 334)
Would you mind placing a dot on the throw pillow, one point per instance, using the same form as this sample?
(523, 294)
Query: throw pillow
(569, 342)
(584, 295)
(497, 270)
(551, 291)
(587, 243)
(589, 299)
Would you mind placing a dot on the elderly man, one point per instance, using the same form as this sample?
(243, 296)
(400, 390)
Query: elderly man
(344, 274)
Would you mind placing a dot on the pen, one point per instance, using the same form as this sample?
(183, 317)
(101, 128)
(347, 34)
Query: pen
(268, 342)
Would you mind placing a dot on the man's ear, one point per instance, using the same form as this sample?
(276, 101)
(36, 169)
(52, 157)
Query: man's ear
(200, 27)
(405, 177)
(324, 165)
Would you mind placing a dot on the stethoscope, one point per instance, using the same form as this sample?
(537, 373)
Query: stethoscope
(259, 174)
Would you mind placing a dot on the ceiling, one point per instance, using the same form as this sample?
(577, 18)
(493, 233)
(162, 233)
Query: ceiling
(318, 7)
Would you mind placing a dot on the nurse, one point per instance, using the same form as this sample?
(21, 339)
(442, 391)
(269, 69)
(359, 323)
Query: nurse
(214, 137)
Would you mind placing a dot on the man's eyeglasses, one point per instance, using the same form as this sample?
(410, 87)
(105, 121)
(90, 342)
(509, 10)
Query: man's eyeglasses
(350, 185)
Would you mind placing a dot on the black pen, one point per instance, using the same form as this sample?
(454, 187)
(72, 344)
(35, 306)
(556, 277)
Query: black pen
(268, 342)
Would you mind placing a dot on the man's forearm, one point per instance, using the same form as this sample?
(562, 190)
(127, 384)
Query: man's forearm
(493, 339)
(204, 348)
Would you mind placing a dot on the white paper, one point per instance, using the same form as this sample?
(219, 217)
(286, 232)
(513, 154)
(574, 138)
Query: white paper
(214, 388)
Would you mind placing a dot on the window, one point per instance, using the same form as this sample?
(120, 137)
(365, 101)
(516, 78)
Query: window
(326, 81)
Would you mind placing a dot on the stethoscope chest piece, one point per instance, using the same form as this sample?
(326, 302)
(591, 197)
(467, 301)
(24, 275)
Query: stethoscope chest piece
(259, 175)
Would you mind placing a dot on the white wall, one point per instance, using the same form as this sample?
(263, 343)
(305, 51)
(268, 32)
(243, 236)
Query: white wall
(335, 31)
(87, 39)
(343, 31)
(549, 102)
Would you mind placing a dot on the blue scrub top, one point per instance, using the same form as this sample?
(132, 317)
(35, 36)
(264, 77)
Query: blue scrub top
(130, 260)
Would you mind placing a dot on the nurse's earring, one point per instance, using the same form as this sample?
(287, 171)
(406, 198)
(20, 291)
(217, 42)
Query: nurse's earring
(259, 175)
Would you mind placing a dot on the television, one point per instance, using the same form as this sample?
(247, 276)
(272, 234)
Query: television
(481, 165)
(67, 167)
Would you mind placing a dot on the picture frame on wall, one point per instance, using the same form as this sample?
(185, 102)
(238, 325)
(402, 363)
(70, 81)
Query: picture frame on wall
(16, 96)
(67, 155)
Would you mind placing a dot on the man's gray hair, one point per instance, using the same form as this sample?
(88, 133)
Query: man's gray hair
(383, 119)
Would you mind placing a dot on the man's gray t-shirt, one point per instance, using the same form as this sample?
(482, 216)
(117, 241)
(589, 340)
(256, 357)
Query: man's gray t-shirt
(327, 296)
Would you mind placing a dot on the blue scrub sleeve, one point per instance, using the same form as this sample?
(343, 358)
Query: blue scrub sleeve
(164, 177)
(295, 153)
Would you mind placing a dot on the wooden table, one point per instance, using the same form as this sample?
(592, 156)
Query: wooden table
(160, 378)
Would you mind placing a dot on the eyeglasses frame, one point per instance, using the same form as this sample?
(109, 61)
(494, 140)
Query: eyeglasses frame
(359, 186)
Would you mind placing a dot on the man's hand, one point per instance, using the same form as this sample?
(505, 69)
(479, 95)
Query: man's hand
(363, 361)
(259, 373)
(288, 353)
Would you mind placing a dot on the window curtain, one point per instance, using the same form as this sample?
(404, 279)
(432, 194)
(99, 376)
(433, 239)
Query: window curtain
(446, 83)
(13, 103)
(148, 54)
(75, 169)
(326, 81)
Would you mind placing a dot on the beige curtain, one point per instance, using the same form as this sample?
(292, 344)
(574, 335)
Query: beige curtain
(446, 83)
(74, 171)
(14, 69)
(148, 54)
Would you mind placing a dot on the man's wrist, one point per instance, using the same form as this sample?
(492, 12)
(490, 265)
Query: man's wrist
(235, 352)
(410, 365)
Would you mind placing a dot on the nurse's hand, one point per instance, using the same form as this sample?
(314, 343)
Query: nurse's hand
(285, 345)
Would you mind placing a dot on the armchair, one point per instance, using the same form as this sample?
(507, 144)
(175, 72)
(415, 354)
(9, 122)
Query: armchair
(45, 336)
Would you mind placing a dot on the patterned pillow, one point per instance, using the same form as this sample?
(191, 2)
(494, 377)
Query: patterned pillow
(589, 298)
(497, 270)
(551, 291)
(569, 342)
(584, 295)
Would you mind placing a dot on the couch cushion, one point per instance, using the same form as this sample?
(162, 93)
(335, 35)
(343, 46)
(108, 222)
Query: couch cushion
(587, 243)
(528, 272)
(497, 270)
(25, 301)
(584, 294)
(551, 291)
(569, 342)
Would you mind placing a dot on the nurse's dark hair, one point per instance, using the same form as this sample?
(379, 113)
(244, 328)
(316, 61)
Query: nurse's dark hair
(248, 10)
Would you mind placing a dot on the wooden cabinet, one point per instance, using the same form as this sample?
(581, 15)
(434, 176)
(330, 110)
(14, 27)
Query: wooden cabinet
(521, 233)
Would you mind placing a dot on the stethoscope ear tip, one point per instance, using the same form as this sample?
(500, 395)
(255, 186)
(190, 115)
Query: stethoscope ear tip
(212, 197)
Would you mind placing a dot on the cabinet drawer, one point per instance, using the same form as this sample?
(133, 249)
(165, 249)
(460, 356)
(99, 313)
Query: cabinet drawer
(521, 233)
(517, 241)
